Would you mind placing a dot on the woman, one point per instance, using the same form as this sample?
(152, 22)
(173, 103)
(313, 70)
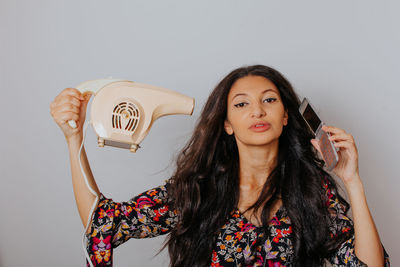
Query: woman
(249, 188)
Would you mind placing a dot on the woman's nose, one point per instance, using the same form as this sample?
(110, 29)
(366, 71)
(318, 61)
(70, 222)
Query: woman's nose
(258, 111)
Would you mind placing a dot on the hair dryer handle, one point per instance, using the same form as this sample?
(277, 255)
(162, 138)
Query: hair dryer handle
(93, 86)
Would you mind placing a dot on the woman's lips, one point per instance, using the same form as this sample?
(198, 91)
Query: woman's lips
(260, 127)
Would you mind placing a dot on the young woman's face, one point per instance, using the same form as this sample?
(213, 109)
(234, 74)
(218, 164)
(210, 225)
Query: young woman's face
(255, 112)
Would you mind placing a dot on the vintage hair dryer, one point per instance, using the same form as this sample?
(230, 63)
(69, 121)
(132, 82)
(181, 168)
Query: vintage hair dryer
(123, 111)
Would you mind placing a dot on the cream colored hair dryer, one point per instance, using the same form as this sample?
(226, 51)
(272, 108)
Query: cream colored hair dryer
(123, 112)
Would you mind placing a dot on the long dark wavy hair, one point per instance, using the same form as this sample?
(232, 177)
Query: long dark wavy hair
(205, 186)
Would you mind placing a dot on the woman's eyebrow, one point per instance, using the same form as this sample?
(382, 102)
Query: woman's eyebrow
(263, 92)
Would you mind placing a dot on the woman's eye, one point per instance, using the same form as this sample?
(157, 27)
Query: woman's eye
(270, 100)
(240, 105)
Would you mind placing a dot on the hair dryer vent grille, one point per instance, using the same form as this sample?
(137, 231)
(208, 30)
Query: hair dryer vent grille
(125, 117)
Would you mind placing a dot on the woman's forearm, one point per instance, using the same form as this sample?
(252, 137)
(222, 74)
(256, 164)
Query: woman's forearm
(83, 196)
(368, 247)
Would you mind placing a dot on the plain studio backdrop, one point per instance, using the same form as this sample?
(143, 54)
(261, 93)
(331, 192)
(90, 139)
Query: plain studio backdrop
(342, 55)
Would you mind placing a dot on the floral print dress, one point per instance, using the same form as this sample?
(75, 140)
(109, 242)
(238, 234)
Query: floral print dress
(238, 242)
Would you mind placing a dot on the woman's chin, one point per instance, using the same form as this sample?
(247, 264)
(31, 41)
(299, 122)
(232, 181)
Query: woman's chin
(263, 143)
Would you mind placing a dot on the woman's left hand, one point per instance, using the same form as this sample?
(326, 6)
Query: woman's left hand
(347, 167)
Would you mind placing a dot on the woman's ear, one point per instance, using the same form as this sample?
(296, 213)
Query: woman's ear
(285, 118)
(228, 127)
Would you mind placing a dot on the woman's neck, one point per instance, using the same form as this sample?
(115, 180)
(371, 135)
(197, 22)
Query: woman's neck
(256, 163)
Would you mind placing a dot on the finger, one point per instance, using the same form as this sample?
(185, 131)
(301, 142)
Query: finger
(68, 107)
(73, 92)
(65, 105)
(64, 117)
(87, 94)
(70, 100)
(332, 129)
(347, 148)
(87, 98)
(344, 144)
(67, 116)
(341, 137)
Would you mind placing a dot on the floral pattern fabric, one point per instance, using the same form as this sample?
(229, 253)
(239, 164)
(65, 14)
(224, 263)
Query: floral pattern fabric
(239, 242)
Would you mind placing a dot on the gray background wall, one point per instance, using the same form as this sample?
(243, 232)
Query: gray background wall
(343, 55)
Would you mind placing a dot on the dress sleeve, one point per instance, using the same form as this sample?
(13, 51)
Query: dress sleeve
(341, 223)
(112, 223)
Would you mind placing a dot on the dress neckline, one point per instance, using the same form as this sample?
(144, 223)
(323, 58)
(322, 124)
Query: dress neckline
(275, 217)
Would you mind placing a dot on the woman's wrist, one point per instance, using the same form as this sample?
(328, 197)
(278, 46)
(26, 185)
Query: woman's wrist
(354, 186)
(74, 140)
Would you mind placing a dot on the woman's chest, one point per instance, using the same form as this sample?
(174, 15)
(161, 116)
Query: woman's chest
(241, 243)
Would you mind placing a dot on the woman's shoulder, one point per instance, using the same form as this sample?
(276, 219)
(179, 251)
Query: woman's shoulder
(157, 193)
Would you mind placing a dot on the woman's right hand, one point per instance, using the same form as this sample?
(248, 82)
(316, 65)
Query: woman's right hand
(70, 104)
